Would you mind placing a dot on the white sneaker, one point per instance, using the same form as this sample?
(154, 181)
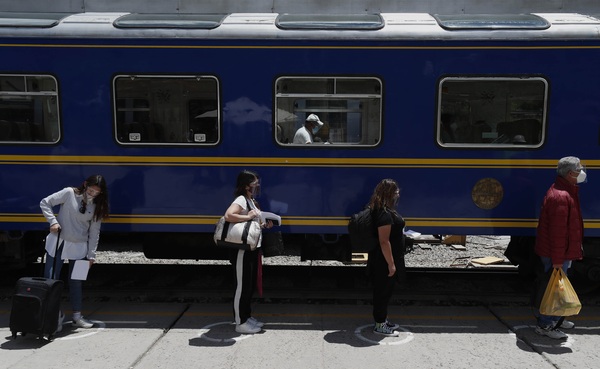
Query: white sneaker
(567, 324)
(82, 323)
(255, 322)
(550, 332)
(247, 328)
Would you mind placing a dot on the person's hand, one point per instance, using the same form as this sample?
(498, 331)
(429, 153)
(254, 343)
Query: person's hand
(92, 261)
(54, 228)
(254, 213)
(268, 224)
(391, 270)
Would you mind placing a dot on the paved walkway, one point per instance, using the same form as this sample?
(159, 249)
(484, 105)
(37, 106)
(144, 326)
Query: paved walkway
(303, 336)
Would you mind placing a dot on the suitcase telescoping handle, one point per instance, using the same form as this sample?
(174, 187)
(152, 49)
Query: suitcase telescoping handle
(56, 254)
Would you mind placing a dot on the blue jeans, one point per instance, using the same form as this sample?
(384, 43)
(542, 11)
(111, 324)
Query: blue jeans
(75, 286)
(546, 320)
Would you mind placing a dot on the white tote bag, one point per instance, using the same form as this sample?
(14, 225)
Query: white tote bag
(243, 235)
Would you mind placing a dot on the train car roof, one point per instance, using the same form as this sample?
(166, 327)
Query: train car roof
(389, 26)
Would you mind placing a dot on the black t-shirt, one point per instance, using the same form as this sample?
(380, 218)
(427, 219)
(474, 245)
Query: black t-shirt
(383, 217)
(377, 265)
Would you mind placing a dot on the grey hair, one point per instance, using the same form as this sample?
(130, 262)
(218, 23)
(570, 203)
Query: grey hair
(567, 164)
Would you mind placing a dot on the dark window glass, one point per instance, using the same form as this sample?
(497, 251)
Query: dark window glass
(492, 112)
(29, 109)
(178, 110)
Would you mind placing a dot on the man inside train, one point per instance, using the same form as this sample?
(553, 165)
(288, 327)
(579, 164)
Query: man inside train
(306, 133)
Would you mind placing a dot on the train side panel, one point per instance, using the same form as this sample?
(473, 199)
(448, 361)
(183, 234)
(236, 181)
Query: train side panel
(175, 187)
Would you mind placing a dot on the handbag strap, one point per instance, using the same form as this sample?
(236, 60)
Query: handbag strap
(246, 226)
(249, 204)
(225, 230)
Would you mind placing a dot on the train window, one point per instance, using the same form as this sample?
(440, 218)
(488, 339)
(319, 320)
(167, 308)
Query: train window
(31, 20)
(455, 22)
(28, 109)
(330, 21)
(181, 21)
(491, 112)
(173, 110)
(349, 107)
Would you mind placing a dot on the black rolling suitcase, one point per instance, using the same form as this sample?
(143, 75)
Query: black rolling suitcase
(36, 305)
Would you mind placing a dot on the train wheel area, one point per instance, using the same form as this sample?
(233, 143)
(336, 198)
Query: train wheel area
(129, 335)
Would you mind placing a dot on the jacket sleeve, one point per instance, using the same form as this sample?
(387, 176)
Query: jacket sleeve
(558, 228)
(47, 203)
(93, 238)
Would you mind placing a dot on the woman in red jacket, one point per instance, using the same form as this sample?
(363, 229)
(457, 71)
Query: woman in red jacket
(560, 233)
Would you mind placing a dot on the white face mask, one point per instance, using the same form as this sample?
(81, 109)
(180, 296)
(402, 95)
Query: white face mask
(581, 177)
(315, 130)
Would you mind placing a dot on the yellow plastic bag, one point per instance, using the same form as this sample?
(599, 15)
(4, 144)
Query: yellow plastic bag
(560, 298)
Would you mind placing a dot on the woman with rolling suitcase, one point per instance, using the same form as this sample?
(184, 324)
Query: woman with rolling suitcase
(82, 210)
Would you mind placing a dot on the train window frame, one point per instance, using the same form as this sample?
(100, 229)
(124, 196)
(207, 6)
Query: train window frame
(352, 115)
(33, 114)
(193, 119)
(526, 128)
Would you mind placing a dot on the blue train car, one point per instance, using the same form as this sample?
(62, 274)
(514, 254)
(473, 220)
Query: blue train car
(469, 113)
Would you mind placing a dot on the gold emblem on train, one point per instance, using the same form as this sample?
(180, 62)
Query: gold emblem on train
(487, 193)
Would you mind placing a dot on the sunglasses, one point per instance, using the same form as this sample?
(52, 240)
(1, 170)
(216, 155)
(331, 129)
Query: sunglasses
(82, 207)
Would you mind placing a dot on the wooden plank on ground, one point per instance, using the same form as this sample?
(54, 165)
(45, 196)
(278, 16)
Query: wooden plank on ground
(360, 257)
(488, 260)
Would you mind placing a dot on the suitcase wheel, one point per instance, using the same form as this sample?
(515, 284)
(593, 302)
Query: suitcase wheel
(14, 335)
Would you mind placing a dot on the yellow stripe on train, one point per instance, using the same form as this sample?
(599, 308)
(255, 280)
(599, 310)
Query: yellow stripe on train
(283, 161)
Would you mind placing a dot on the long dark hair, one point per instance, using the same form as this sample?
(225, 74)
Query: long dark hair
(101, 200)
(243, 180)
(384, 195)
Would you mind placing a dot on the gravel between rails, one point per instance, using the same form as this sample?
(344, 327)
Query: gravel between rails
(423, 255)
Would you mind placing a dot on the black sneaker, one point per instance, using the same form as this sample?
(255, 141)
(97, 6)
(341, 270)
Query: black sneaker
(393, 325)
(384, 329)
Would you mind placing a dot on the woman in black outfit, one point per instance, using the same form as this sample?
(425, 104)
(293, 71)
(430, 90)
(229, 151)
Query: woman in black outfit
(386, 262)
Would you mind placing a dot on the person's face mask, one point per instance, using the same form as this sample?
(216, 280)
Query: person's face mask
(581, 177)
(315, 130)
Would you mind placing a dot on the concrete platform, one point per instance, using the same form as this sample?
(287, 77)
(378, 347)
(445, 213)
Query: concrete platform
(175, 335)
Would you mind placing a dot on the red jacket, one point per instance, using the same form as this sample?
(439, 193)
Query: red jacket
(560, 227)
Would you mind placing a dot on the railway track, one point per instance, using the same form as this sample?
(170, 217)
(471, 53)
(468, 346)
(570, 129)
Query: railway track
(346, 284)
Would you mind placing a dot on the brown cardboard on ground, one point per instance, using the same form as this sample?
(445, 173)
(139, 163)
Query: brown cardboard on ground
(460, 240)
